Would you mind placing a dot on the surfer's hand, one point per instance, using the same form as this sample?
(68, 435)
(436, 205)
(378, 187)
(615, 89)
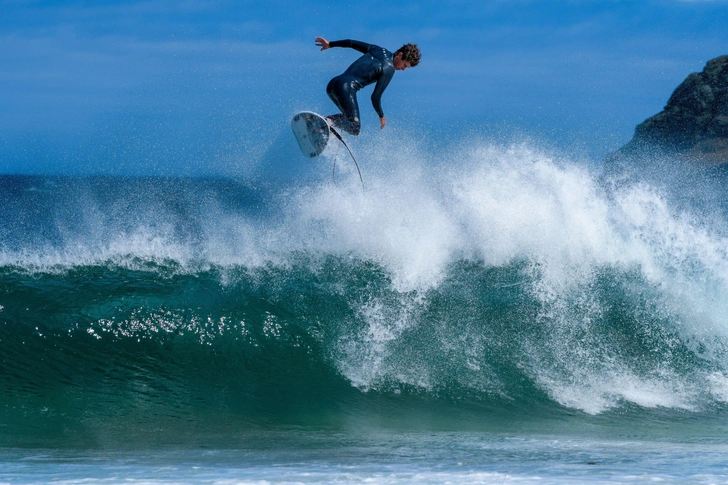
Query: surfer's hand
(323, 43)
(382, 122)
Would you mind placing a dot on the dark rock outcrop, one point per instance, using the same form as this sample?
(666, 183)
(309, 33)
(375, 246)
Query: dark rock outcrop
(693, 125)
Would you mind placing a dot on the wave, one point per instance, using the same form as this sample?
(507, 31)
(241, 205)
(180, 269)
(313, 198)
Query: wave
(489, 278)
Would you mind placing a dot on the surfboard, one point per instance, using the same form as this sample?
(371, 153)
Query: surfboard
(311, 131)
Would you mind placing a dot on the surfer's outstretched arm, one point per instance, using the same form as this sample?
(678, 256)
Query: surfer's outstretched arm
(362, 47)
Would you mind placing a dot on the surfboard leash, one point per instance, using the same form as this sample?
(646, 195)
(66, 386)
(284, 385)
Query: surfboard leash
(336, 159)
(349, 150)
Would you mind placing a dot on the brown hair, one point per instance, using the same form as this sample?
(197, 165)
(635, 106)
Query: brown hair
(410, 53)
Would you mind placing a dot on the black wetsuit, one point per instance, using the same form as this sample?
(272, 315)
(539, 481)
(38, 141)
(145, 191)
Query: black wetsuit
(374, 66)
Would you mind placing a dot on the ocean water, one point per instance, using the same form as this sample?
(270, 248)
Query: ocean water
(479, 314)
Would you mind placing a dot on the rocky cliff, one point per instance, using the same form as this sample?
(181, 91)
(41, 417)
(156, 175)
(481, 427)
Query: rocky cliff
(694, 123)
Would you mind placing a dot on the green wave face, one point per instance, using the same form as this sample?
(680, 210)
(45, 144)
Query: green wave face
(106, 353)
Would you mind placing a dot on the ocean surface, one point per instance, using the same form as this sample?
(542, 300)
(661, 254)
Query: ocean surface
(480, 314)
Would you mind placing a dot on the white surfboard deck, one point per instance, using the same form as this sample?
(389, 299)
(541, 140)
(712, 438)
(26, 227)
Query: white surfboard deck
(311, 131)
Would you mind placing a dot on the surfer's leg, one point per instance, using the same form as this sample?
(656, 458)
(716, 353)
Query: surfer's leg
(344, 97)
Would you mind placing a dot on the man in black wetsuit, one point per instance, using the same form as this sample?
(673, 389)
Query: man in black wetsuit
(376, 65)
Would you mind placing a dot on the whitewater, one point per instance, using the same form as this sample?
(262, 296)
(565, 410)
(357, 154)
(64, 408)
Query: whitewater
(480, 312)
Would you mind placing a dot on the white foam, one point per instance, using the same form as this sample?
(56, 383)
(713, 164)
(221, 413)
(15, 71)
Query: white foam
(718, 382)
(596, 391)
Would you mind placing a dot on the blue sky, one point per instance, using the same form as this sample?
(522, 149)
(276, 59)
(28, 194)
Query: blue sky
(201, 87)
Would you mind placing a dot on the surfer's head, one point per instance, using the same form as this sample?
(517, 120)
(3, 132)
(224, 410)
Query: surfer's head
(406, 56)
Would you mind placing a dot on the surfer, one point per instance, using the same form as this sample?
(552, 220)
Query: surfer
(376, 65)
